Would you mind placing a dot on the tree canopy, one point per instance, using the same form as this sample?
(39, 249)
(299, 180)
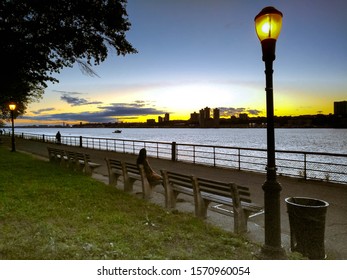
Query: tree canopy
(40, 37)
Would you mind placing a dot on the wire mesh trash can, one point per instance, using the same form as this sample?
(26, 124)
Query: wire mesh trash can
(307, 226)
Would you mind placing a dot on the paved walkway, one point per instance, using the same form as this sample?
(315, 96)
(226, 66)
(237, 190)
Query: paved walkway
(334, 194)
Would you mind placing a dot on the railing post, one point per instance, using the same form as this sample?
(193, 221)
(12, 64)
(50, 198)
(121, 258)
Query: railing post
(214, 156)
(173, 151)
(194, 154)
(239, 158)
(43, 138)
(305, 167)
(81, 145)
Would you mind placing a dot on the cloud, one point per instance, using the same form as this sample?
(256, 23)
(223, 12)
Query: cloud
(106, 114)
(67, 96)
(230, 111)
(38, 112)
(72, 117)
(254, 112)
(137, 108)
(76, 101)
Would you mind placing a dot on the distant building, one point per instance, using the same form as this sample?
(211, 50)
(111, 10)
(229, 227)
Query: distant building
(204, 116)
(243, 116)
(151, 121)
(340, 108)
(205, 119)
(216, 116)
(207, 113)
(167, 117)
(300, 122)
(194, 117)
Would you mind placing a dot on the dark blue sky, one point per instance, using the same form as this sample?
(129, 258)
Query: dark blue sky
(198, 53)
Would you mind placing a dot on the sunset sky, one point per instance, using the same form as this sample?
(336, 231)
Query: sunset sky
(198, 53)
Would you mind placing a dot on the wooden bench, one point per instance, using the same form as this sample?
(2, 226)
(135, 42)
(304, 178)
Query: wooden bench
(130, 173)
(86, 164)
(115, 170)
(236, 197)
(133, 173)
(52, 154)
(81, 162)
(174, 184)
(72, 159)
(56, 155)
(204, 191)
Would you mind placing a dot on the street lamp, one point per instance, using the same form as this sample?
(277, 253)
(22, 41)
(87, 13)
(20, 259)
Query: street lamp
(268, 25)
(12, 107)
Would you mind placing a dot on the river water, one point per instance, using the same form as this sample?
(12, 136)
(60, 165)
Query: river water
(308, 140)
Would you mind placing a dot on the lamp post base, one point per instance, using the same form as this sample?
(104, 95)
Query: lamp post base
(272, 253)
(272, 249)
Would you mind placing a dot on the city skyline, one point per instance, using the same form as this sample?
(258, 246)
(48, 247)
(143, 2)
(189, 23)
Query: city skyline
(193, 53)
(211, 117)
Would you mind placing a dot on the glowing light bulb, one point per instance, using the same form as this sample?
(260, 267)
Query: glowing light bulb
(266, 27)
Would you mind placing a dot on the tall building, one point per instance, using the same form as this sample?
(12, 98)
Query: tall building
(201, 118)
(167, 117)
(204, 116)
(340, 108)
(207, 113)
(216, 115)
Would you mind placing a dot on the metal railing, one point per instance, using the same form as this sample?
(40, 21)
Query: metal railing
(329, 167)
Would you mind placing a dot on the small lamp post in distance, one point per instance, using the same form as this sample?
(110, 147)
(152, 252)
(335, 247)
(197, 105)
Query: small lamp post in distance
(268, 25)
(12, 107)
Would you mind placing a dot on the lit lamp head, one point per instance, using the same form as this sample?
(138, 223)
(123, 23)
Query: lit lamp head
(12, 106)
(268, 25)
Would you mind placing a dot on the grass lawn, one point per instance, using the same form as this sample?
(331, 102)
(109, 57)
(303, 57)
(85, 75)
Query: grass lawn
(48, 212)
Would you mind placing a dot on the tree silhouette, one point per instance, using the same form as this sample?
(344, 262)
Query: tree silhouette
(40, 37)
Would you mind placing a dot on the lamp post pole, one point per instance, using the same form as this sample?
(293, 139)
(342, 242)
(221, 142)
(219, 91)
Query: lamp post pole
(271, 187)
(268, 25)
(12, 107)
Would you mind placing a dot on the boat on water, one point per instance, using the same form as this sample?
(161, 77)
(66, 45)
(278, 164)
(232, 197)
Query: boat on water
(117, 131)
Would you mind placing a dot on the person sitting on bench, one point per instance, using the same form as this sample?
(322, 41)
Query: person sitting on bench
(152, 177)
